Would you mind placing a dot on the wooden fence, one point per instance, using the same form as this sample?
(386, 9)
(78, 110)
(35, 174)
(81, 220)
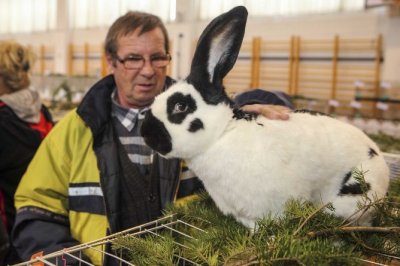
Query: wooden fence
(45, 60)
(86, 60)
(336, 75)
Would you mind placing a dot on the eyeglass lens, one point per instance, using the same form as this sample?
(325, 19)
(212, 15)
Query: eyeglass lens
(135, 62)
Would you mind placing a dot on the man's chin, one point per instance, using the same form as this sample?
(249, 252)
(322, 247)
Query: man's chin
(141, 102)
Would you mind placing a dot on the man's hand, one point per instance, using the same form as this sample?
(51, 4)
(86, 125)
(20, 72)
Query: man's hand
(275, 112)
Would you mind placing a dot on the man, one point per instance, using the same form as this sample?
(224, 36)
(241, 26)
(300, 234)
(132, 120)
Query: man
(93, 175)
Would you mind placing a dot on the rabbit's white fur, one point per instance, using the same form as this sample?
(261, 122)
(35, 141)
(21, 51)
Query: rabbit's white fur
(252, 167)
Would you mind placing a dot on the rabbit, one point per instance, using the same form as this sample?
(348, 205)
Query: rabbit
(250, 165)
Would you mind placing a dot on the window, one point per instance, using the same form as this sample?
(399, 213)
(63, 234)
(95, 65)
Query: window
(211, 8)
(102, 13)
(27, 15)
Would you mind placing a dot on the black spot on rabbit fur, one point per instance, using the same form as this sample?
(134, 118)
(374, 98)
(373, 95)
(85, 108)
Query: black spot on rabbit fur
(179, 106)
(346, 178)
(240, 114)
(196, 125)
(305, 111)
(353, 188)
(372, 153)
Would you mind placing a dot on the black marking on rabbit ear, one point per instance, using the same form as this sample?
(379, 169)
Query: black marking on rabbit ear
(372, 153)
(217, 50)
(196, 125)
(179, 106)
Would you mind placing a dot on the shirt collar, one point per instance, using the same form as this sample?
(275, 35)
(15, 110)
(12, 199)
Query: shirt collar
(128, 117)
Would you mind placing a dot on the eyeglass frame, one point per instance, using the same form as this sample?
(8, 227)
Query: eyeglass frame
(136, 58)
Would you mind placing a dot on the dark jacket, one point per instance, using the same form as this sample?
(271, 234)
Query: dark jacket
(81, 152)
(19, 141)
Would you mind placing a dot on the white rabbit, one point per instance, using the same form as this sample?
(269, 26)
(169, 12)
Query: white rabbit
(251, 165)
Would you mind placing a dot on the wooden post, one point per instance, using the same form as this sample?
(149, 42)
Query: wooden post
(70, 59)
(169, 67)
(334, 71)
(255, 63)
(291, 65)
(377, 80)
(104, 71)
(86, 59)
(42, 57)
(296, 65)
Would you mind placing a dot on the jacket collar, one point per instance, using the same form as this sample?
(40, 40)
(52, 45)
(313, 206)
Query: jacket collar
(95, 108)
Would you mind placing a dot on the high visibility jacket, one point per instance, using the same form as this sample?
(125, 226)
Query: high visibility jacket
(69, 194)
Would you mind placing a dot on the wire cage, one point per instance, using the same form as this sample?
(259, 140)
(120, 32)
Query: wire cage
(157, 228)
(169, 223)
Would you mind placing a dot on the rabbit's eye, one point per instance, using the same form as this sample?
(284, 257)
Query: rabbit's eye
(180, 108)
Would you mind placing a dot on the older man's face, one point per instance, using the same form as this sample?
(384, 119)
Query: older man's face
(138, 87)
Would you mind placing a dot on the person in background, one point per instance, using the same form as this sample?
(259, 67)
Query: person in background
(24, 122)
(93, 175)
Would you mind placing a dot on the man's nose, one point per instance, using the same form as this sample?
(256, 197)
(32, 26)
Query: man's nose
(147, 69)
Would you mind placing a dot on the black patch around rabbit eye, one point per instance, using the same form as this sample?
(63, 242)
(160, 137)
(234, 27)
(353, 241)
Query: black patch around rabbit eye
(196, 125)
(180, 99)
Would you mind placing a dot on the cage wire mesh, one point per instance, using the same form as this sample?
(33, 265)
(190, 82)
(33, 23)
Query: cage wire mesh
(168, 223)
(393, 161)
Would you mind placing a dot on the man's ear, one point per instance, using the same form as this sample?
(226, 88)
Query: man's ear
(111, 64)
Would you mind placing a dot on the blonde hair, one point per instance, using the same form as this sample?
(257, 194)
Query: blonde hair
(16, 62)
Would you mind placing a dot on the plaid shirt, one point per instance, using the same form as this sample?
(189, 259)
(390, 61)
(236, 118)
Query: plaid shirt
(127, 123)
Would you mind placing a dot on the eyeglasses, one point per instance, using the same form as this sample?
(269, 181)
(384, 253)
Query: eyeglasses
(137, 61)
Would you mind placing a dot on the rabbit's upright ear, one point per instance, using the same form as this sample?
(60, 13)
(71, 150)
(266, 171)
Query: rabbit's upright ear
(218, 48)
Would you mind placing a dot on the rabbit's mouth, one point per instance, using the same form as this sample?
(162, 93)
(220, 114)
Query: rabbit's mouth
(155, 134)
